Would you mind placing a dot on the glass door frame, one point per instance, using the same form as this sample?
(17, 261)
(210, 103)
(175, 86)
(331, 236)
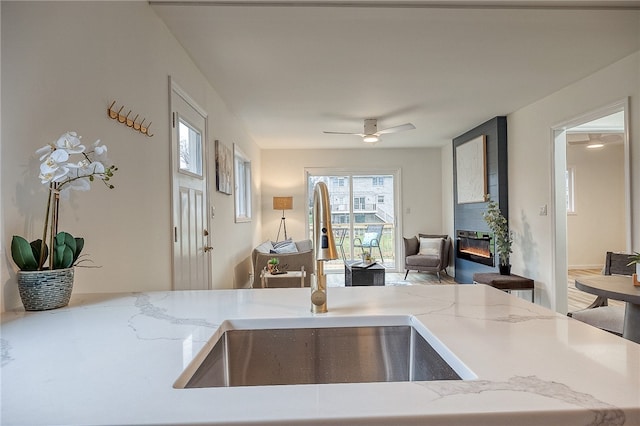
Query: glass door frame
(350, 173)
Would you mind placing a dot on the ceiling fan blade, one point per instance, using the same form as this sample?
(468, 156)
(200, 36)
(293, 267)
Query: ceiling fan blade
(342, 133)
(396, 129)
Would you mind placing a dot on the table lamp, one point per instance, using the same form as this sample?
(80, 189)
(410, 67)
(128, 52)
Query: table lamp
(282, 203)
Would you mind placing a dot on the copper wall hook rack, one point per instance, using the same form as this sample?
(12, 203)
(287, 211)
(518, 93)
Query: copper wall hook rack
(129, 122)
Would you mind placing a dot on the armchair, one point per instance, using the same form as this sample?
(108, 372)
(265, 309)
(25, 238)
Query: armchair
(427, 253)
(289, 261)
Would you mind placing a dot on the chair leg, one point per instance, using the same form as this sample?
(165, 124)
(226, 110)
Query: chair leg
(438, 274)
(344, 259)
(405, 275)
(381, 258)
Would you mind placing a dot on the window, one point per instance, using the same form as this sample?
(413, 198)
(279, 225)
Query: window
(378, 181)
(242, 176)
(380, 199)
(190, 149)
(358, 203)
(570, 177)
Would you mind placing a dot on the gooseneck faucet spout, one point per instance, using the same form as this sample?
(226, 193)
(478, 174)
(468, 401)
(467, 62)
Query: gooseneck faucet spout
(324, 245)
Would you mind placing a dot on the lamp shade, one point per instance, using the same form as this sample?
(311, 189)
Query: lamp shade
(282, 203)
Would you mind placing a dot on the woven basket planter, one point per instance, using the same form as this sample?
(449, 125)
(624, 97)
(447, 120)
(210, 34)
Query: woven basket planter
(44, 290)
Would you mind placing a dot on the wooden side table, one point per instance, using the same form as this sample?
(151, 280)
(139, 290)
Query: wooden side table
(354, 276)
(505, 282)
(265, 276)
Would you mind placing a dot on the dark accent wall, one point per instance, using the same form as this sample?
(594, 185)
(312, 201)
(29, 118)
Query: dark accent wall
(469, 216)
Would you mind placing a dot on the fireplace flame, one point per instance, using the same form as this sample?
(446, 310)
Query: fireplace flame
(476, 252)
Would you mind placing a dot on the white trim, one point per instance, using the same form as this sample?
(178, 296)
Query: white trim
(174, 88)
(238, 154)
(188, 99)
(559, 219)
(596, 266)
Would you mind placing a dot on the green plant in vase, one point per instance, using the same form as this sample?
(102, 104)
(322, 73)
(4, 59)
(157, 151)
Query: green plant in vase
(272, 264)
(66, 165)
(502, 235)
(635, 260)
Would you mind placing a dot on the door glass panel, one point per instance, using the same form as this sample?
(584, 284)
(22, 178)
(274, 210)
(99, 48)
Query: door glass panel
(360, 205)
(190, 148)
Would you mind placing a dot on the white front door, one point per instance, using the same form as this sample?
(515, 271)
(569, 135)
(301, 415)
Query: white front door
(191, 247)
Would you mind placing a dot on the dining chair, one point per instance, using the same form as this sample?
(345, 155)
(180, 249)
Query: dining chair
(599, 313)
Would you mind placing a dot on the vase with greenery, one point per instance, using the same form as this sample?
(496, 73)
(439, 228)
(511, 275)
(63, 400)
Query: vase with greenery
(634, 259)
(66, 165)
(502, 235)
(272, 265)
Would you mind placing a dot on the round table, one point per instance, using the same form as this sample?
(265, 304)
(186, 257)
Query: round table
(618, 287)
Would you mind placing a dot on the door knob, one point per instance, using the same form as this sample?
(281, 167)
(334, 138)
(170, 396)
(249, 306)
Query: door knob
(207, 248)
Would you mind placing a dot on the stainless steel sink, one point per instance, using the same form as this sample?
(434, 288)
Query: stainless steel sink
(317, 355)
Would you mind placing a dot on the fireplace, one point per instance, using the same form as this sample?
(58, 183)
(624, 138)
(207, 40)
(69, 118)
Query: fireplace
(475, 246)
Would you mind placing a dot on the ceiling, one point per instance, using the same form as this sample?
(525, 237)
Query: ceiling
(293, 69)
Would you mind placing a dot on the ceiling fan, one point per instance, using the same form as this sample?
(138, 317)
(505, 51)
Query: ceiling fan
(371, 134)
(594, 140)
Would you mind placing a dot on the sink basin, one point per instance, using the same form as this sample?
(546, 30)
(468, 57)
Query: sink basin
(318, 355)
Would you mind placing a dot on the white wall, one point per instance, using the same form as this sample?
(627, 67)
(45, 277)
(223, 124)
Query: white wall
(63, 64)
(530, 164)
(421, 178)
(598, 224)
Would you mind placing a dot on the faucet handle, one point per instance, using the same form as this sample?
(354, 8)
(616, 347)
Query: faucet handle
(318, 298)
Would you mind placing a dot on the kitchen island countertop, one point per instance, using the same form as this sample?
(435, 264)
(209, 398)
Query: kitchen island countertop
(111, 359)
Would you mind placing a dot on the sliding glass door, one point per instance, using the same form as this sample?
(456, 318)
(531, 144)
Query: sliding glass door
(363, 213)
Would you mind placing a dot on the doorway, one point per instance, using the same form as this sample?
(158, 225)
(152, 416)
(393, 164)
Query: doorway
(592, 193)
(363, 203)
(191, 247)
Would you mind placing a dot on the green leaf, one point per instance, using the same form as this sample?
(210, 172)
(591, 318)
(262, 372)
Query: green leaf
(22, 254)
(63, 258)
(78, 250)
(35, 247)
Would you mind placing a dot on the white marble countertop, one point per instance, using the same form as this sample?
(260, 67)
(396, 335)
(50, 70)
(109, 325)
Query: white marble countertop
(113, 359)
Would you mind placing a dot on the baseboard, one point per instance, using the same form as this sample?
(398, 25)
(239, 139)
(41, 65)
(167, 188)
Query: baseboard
(585, 267)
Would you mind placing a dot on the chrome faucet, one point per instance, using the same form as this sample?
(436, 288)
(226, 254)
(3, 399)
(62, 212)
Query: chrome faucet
(324, 246)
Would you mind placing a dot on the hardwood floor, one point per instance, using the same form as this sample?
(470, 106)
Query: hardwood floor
(576, 299)
(397, 278)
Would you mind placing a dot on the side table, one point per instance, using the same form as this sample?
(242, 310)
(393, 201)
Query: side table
(359, 276)
(265, 276)
(505, 282)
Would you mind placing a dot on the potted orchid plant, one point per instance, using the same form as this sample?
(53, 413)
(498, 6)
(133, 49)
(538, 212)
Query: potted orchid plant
(66, 165)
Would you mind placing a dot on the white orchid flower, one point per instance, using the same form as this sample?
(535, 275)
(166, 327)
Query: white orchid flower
(57, 157)
(45, 151)
(48, 174)
(82, 164)
(97, 167)
(99, 149)
(70, 142)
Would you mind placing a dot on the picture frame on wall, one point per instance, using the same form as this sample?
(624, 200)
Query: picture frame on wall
(224, 168)
(471, 171)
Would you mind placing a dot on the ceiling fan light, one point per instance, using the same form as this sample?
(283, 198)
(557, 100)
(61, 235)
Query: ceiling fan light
(370, 138)
(595, 145)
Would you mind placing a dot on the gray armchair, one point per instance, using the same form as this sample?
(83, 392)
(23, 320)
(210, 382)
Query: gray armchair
(288, 262)
(434, 257)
